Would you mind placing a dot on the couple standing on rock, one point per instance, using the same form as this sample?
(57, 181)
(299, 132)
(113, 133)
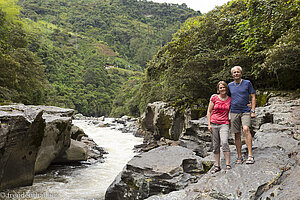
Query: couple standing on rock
(233, 98)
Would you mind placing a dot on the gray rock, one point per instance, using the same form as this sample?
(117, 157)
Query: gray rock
(77, 133)
(241, 182)
(279, 139)
(274, 128)
(192, 143)
(286, 187)
(53, 110)
(78, 151)
(31, 137)
(57, 136)
(161, 170)
(95, 152)
(162, 120)
(21, 133)
(55, 141)
(274, 175)
(199, 128)
(263, 115)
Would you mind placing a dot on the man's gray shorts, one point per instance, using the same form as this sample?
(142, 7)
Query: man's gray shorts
(238, 120)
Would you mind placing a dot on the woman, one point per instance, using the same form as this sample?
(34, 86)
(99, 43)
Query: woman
(218, 124)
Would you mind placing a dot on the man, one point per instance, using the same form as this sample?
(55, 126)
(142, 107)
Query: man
(241, 113)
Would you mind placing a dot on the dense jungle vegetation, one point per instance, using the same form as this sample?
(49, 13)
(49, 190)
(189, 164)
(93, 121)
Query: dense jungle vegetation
(56, 52)
(261, 36)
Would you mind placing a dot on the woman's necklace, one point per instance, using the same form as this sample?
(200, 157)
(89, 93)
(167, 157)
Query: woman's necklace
(223, 99)
(237, 84)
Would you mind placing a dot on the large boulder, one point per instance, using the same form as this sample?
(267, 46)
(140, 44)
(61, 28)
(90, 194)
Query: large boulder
(95, 152)
(199, 128)
(77, 133)
(162, 120)
(193, 143)
(78, 151)
(21, 133)
(160, 170)
(242, 182)
(30, 138)
(57, 136)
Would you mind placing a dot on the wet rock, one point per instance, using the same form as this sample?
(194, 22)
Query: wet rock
(95, 152)
(78, 116)
(102, 118)
(130, 127)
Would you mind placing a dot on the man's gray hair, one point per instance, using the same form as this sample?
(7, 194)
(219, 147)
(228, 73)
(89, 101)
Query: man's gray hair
(237, 67)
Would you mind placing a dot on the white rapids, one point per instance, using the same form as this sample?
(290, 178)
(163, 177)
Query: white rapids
(84, 182)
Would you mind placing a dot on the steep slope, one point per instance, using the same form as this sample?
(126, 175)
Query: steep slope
(78, 41)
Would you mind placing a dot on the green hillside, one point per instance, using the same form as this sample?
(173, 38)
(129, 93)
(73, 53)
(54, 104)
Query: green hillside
(90, 55)
(60, 52)
(22, 77)
(261, 36)
(133, 29)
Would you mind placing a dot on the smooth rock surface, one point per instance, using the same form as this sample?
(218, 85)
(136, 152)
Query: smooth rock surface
(161, 170)
(21, 133)
(78, 151)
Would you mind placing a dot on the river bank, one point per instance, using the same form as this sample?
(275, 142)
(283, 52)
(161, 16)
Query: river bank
(86, 181)
(177, 163)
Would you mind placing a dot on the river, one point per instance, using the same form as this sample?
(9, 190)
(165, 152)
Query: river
(85, 182)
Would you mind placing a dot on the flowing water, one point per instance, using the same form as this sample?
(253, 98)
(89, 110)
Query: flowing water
(85, 182)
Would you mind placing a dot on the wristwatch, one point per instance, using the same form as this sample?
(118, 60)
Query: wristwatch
(252, 111)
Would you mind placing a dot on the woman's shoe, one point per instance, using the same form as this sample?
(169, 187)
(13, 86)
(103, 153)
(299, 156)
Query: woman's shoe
(228, 167)
(239, 161)
(215, 169)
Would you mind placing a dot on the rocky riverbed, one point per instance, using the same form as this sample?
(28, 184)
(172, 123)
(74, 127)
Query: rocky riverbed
(174, 160)
(176, 157)
(33, 137)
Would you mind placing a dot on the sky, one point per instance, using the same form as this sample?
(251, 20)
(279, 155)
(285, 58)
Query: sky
(203, 5)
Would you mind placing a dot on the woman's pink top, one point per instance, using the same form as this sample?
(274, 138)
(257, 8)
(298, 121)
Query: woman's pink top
(220, 112)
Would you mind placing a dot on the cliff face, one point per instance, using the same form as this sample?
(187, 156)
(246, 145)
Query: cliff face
(21, 134)
(274, 175)
(162, 120)
(30, 138)
(57, 137)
